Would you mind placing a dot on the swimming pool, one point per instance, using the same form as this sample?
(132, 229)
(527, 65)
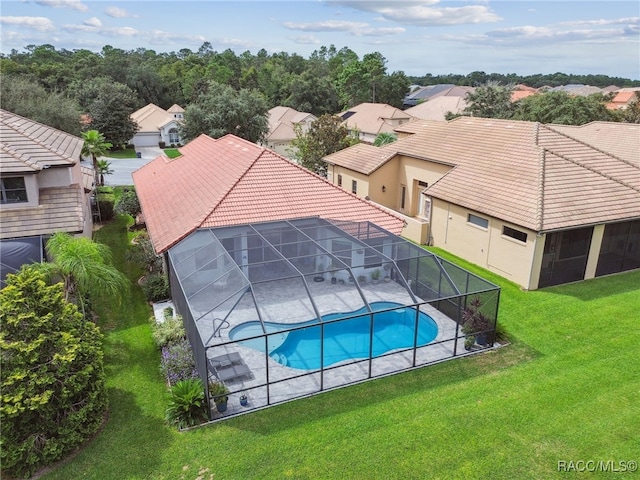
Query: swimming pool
(345, 340)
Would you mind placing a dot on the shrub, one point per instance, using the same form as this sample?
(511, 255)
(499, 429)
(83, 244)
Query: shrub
(177, 363)
(162, 144)
(128, 204)
(143, 255)
(105, 204)
(53, 380)
(170, 331)
(156, 287)
(187, 404)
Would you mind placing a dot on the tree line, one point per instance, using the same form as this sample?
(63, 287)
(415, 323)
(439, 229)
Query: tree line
(222, 92)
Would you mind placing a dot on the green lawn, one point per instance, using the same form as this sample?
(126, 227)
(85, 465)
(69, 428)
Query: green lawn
(127, 153)
(567, 388)
(172, 152)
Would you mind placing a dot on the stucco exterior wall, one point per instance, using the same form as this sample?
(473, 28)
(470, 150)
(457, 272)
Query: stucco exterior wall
(486, 247)
(410, 172)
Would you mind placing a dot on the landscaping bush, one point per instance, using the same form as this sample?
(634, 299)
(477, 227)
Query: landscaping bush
(170, 331)
(53, 381)
(156, 287)
(187, 404)
(143, 255)
(128, 204)
(106, 203)
(177, 362)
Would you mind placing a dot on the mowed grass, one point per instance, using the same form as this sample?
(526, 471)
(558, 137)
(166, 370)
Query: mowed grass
(566, 388)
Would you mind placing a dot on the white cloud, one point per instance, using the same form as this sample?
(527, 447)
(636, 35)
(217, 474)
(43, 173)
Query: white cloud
(116, 12)
(93, 22)
(73, 4)
(41, 24)
(305, 39)
(353, 28)
(424, 13)
(617, 21)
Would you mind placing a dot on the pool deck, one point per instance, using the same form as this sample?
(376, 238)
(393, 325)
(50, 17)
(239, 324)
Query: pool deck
(284, 305)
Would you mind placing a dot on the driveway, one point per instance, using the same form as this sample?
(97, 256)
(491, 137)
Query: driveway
(124, 167)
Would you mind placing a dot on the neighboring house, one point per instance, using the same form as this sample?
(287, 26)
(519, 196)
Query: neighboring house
(282, 122)
(577, 89)
(230, 181)
(43, 189)
(437, 108)
(623, 98)
(157, 126)
(422, 94)
(367, 120)
(538, 204)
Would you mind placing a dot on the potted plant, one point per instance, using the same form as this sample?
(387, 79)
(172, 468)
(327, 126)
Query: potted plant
(375, 276)
(469, 342)
(362, 279)
(220, 394)
(386, 267)
(475, 323)
(244, 401)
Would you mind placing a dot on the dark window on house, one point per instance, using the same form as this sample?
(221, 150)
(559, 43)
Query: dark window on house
(479, 221)
(513, 233)
(422, 184)
(339, 179)
(13, 190)
(403, 197)
(354, 186)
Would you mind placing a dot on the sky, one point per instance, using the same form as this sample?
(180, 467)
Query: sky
(416, 37)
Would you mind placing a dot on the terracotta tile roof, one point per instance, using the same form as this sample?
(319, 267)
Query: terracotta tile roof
(230, 181)
(374, 118)
(520, 94)
(60, 210)
(29, 146)
(526, 173)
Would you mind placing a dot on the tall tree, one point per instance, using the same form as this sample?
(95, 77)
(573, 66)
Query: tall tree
(490, 101)
(326, 135)
(84, 267)
(53, 381)
(27, 98)
(562, 108)
(222, 110)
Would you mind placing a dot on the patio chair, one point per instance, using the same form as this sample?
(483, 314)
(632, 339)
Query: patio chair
(223, 360)
(231, 373)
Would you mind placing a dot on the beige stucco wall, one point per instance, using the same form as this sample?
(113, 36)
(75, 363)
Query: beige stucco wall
(410, 171)
(486, 247)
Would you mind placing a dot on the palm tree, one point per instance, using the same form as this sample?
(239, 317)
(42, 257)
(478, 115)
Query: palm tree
(96, 146)
(84, 266)
(104, 168)
(384, 138)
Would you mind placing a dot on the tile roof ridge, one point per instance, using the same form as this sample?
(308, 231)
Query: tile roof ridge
(38, 142)
(541, 186)
(592, 169)
(608, 154)
(232, 187)
(335, 187)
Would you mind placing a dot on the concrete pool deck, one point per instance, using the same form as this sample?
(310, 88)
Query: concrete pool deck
(279, 303)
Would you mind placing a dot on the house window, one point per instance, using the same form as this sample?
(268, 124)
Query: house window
(173, 136)
(13, 190)
(339, 179)
(513, 233)
(424, 207)
(403, 197)
(479, 221)
(354, 186)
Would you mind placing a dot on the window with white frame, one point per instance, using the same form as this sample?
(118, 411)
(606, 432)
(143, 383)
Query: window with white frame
(13, 190)
(354, 186)
(515, 234)
(339, 179)
(174, 137)
(424, 206)
(478, 221)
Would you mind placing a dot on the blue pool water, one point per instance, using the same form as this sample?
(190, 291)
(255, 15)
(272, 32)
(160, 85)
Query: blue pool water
(345, 340)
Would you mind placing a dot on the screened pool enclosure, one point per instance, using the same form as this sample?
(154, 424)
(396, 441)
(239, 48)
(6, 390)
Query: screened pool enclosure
(281, 310)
